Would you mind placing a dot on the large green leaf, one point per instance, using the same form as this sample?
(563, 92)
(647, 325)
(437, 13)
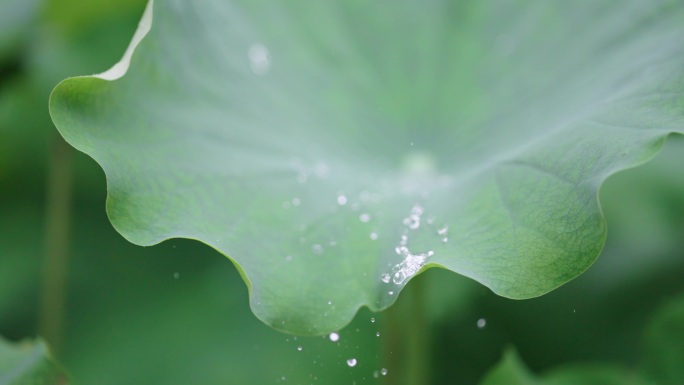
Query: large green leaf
(28, 364)
(334, 149)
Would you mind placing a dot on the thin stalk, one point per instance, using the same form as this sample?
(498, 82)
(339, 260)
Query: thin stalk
(57, 224)
(407, 343)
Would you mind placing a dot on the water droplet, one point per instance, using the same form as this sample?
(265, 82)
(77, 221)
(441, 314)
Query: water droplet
(351, 362)
(411, 264)
(176, 275)
(259, 59)
(372, 319)
(445, 239)
(443, 230)
(376, 374)
(413, 220)
(399, 277)
(317, 249)
(385, 278)
(377, 334)
(299, 348)
(481, 323)
(383, 371)
(341, 200)
(374, 236)
(296, 202)
(334, 337)
(329, 302)
(390, 292)
(364, 218)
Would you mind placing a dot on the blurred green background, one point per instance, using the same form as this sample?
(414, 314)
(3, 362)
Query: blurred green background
(178, 313)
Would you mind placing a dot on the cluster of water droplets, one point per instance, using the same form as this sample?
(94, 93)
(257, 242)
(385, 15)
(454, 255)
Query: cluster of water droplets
(412, 262)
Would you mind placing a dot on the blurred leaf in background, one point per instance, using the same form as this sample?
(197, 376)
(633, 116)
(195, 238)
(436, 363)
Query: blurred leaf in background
(28, 363)
(661, 359)
(512, 371)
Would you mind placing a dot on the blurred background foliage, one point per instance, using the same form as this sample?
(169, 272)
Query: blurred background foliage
(178, 313)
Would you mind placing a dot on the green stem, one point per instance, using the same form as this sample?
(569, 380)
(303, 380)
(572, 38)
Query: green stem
(407, 337)
(57, 223)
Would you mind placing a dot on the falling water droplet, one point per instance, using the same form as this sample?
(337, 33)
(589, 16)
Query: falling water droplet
(334, 337)
(383, 371)
(481, 323)
(372, 319)
(377, 334)
(299, 348)
(351, 362)
(341, 200)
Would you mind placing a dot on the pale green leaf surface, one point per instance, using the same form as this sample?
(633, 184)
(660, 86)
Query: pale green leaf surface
(28, 364)
(241, 124)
